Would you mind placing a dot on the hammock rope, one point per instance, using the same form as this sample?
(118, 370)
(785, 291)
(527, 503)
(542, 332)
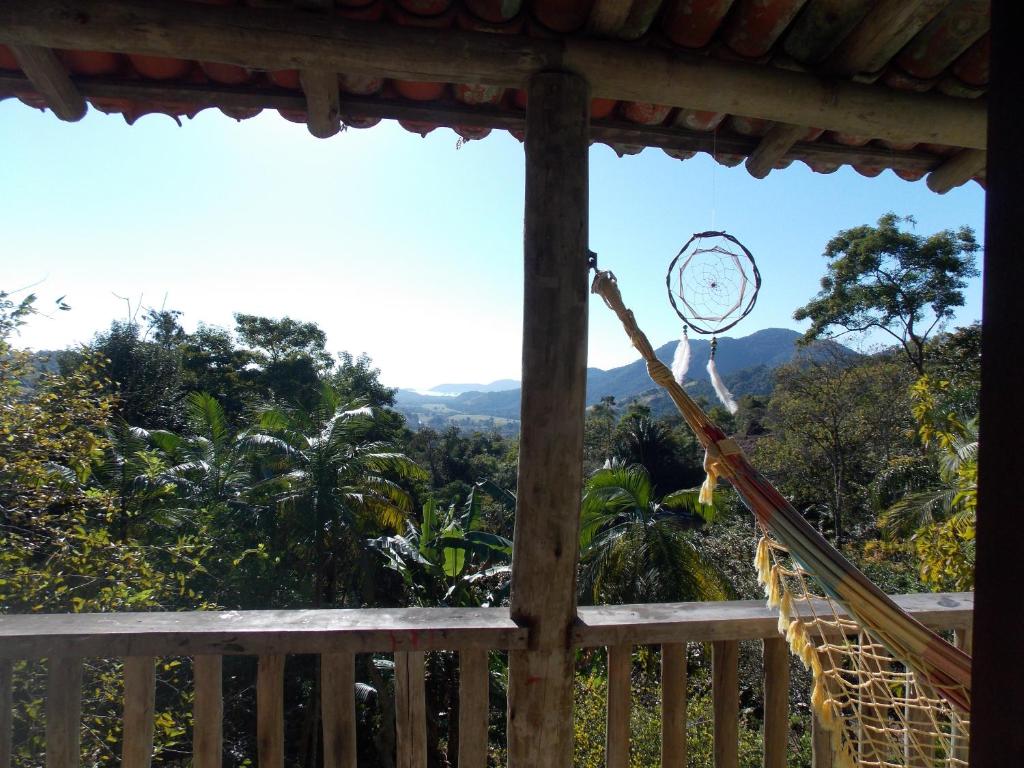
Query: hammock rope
(891, 692)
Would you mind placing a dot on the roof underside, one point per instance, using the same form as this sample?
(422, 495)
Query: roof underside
(844, 63)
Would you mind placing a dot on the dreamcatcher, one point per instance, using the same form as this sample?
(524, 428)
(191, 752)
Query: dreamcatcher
(712, 284)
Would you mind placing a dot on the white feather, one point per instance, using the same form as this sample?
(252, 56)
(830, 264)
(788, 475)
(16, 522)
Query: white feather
(681, 359)
(720, 389)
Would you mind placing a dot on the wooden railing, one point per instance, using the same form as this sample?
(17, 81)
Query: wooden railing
(338, 635)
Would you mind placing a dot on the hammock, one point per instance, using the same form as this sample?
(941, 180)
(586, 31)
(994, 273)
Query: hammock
(891, 692)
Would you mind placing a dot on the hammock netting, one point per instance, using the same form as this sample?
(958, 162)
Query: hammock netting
(892, 693)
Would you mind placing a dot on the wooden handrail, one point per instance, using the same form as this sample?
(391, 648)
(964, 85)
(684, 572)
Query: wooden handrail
(33, 636)
(336, 635)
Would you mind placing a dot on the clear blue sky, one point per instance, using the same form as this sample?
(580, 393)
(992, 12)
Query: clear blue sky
(406, 248)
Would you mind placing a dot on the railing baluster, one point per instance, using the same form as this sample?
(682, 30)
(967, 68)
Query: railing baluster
(725, 689)
(673, 705)
(918, 745)
(776, 702)
(63, 712)
(474, 707)
(822, 754)
(6, 713)
(207, 712)
(410, 710)
(338, 704)
(139, 703)
(270, 711)
(958, 737)
(620, 672)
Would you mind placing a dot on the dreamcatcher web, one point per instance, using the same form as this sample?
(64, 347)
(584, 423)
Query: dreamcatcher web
(711, 284)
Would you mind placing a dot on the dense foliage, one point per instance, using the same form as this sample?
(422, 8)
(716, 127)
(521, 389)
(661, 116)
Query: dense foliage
(157, 469)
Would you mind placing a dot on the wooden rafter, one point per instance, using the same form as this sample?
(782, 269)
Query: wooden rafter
(957, 170)
(320, 86)
(607, 131)
(876, 39)
(287, 39)
(51, 81)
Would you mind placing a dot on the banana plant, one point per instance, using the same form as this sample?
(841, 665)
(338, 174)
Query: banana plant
(448, 556)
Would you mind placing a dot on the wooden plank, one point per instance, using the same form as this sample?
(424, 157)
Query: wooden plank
(959, 739)
(822, 753)
(673, 705)
(257, 632)
(51, 81)
(474, 707)
(270, 711)
(620, 671)
(725, 701)
(773, 147)
(776, 702)
(338, 705)
(410, 711)
(139, 706)
(384, 630)
(284, 39)
(208, 712)
(63, 712)
(555, 302)
(958, 170)
(6, 713)
(607, 131)
(733, 620)
(997, 706)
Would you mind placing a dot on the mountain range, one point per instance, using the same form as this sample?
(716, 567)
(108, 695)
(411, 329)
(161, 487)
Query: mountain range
(745, 364)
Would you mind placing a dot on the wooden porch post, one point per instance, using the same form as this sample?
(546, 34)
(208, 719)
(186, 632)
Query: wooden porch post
(551, 441)
(997, 709)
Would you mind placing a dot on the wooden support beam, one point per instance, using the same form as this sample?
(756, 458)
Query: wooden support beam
(822, 753)
(776, 702)
(673, 705)
(410, 711)
(957, 170)
(474, 707)
(725, 702)
(51, 81)
(63, 712)
(555, 301)
(997, 707)
(338, 705)
(773, 147)
(281, 39)
(620, 670)
(139, 711)
(270, 711)
(207, 712)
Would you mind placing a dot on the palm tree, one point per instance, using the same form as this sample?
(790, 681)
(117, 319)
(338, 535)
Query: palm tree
(913, 495)
(636, 547)
(333, 482)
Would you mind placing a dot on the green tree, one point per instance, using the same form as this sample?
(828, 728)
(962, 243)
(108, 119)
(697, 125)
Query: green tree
(637, 547)
(333, 486)
(932, 500)
(834, 423)
(894, 281)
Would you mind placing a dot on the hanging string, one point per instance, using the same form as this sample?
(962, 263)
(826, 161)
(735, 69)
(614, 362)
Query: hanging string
(714, 170)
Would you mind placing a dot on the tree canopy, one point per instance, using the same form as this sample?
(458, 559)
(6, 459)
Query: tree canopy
(892, 280)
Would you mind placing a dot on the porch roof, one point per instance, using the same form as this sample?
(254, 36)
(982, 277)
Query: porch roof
(874, 84)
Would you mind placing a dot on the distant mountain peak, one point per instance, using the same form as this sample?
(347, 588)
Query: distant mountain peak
(501, 385)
